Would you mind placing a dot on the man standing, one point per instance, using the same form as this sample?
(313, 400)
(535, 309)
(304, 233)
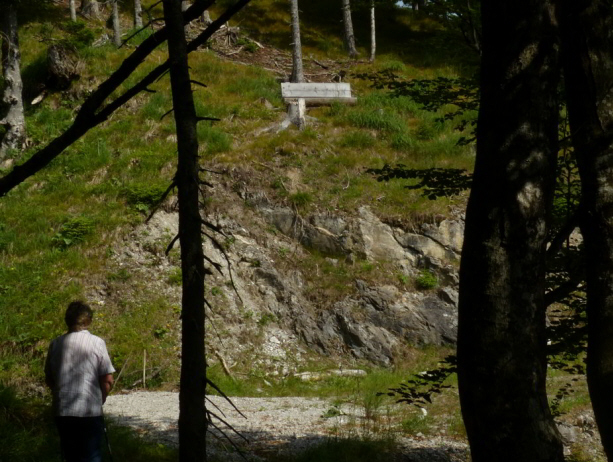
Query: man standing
(80, 374)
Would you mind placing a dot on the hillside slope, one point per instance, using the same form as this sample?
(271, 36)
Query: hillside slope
(319, 249)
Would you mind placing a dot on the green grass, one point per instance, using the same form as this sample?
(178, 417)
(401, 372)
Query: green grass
(60, 230)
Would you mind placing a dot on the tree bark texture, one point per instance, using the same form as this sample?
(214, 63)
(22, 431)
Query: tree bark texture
(116, 24)
(138, 14)
(73, 10)
(297, 73)
(94, 111)
(348, 25)
(90, 9)
(588, 60)
(373, 35)
(501, 333)
(11, 106)
(192, 412)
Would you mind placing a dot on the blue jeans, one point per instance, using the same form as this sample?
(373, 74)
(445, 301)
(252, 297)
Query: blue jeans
(81, 438)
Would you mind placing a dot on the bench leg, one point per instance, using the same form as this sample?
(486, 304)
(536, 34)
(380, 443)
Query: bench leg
(296, 112)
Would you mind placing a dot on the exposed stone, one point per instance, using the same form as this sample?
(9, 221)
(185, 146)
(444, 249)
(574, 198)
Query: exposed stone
(378, 239)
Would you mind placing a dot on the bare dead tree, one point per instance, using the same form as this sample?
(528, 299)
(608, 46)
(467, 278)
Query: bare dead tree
(73, 10)
(138, 14)
(348, 25)
(116, 24)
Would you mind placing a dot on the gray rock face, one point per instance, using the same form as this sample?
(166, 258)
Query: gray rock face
(270, 320)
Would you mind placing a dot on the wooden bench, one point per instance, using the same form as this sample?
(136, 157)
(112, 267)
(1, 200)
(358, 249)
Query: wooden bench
(317, 94)
(300, 95)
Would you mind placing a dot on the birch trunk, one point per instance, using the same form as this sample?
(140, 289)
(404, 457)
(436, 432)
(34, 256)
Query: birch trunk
(138, 14)
(192, 410)
(501, 333)
(73, 10)
(588, 57)
(373, 35)
(206, 18)
(12, 98)
(297, 73)
(90, 9)
(349, 36)
(116, 24)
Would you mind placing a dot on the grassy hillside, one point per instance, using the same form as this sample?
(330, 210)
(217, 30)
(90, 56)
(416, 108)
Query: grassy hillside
(59, 229)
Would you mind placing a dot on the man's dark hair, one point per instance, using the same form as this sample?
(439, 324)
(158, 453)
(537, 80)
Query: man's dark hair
(78, 315)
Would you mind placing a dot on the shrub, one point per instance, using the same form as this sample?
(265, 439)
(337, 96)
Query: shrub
(426, 280)
(72, 232)
(300, 199)
(144, 195)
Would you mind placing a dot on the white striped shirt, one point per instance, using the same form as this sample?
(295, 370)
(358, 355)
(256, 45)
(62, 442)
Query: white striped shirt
(75, 363)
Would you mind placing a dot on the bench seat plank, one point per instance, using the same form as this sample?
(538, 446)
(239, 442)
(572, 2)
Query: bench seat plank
(316, 90)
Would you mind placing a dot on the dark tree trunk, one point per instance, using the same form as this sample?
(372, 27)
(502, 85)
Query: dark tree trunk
(138, 14)
(192, 417)
(116, 24)
(501, 333)
(11, 106)
(588, 60)
(297, 74)
(348, 25)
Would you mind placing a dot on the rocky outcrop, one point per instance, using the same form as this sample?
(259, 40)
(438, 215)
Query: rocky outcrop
(262, 297)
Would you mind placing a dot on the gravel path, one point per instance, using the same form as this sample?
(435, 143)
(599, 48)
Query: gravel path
(270, 424)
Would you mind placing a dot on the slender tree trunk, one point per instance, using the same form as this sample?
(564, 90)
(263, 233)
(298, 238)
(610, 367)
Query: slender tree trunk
(13, 118)
(138, 14)
(297, 73)
(349, 36)
(116, 24)
(90, 9)
(192, 417)
(501, 333)
(588, 60)
(296, 110)
(206, 18)
(73, 10)
(373, 35)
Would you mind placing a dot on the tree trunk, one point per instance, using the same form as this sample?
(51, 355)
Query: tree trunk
(12, 100)
(116, 24)
(73, 10)
(206, 18)
(588, 57)
(373, 35)
(296, 110)
(95, 109)
(192, 417)
(501, 333)
(90, 9)
(297, 73)
(138, 14)
(349, 36)
(418, 5)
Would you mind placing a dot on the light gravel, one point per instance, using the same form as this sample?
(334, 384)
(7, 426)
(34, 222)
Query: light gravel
(270, 425)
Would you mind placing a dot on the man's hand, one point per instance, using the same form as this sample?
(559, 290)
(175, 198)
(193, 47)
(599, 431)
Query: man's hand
(106, 383)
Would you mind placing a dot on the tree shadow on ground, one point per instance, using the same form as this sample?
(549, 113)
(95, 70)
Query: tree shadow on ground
(261, 445)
